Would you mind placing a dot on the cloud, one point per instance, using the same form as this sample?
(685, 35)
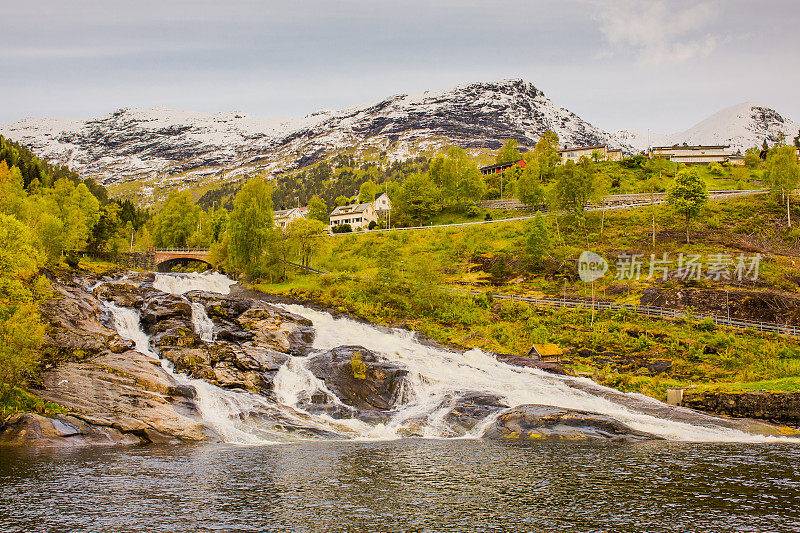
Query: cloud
(659, 32)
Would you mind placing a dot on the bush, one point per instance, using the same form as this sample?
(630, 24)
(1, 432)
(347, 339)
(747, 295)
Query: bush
(372, 225)
(473, 211)
(342, 228)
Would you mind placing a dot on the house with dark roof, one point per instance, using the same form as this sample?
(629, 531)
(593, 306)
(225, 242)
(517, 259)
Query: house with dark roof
(382, 204)
(357, 215)
(502, 167)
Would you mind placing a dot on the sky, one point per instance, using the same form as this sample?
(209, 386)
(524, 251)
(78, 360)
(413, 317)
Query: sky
(661, 65)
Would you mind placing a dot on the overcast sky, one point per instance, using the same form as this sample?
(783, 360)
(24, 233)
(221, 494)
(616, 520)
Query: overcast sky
(657, 64)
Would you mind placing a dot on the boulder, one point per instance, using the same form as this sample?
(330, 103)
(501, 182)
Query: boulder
(277, 329)
(123, 293)
(544, 422)
(161, 306)
(78, 325)
(361, 378)
(129, 392)
(471, 408)
(220, 306)
(38, 430)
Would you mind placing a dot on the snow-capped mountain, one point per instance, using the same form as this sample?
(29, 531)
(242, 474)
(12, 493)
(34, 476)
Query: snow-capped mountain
(131, 144)
(741, 126)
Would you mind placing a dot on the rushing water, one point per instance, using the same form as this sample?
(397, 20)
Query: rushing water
(404, 485)
(436, 378)
(367, 478)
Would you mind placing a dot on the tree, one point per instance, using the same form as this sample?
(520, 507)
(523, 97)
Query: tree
(688, 195)
(529, 188)
(752, 158)
(797, 140)
(21, 331)
(509, 153)
(304, 233)
(457, 177)
(366, 193)
(574, 185)
(418, 199)
(341, 200)
(250, 228)
(317, 210)
(546, 154)
(597, 156)
(538, 242)
(782, 173)
(176, 221)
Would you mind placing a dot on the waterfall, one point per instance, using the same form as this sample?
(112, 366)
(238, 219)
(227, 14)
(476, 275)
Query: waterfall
(435, 376)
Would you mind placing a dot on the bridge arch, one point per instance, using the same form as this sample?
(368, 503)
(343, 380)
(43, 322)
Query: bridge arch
(164, 260)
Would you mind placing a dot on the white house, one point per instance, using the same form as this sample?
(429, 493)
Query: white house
(606, 153)
(284, 216)
(692, 155)
(357, 215)
(382, 204)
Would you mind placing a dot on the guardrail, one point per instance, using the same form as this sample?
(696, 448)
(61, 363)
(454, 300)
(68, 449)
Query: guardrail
(662, 312)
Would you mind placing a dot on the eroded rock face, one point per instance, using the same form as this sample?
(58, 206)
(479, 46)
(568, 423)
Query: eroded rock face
(78, 325)
(129, 392)
(30, 428)
(277, 329)
(361, 378)
(779, 407)
(543, 422)
(472, 408)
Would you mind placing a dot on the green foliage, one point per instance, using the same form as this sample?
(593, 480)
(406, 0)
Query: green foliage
(546, 154)
(250, 229)
(574, 185)
(782, 173)
(529, 188)
(317, 210)
(538, 241)
(366, 193)
(342, 228)
(688, 196)
(418, 201)
(715, 169)
(341, 201)
(509, 153)
(177, 220)
(304, 233)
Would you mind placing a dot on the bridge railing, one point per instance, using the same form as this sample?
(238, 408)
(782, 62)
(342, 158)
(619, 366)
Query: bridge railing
(178, 250)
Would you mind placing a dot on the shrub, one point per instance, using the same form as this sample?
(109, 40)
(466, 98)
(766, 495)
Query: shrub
(372, 225)
(342, 228)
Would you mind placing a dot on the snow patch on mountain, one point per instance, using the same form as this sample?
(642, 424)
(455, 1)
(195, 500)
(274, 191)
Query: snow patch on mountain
(740, 126)
(131, 144)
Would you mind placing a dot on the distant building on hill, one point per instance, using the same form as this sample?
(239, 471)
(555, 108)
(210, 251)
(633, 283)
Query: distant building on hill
(691, 155)
(284, 216)
(606, 153)
(502, 167)
(357, 215)
(382, 204)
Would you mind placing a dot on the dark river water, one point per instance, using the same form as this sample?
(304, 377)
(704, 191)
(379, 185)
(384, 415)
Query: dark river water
(405, 485)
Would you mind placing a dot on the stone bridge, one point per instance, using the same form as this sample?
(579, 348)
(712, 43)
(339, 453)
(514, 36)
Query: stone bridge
(163, 260)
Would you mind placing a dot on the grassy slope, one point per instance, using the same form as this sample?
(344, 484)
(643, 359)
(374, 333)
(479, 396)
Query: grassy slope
(620, 349)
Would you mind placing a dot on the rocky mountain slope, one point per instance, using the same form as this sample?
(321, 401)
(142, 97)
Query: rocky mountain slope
(741, 126)
(132, 144)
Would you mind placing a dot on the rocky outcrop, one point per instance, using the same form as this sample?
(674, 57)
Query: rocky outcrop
(78, 325)
(128, 392)
(33, 429)
(547, 423)
(778, 407)
(361, 378)
(471, 408)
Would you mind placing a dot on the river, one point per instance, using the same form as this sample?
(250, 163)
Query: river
(404, 485)
(707, 474)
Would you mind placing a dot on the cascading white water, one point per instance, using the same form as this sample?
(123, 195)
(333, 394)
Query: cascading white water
(182, 283)
(217, 406)
(435, 377)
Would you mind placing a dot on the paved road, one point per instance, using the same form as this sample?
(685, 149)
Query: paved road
(636, 201)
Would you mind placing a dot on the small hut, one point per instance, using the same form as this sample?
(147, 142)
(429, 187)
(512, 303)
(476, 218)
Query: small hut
(547, 353)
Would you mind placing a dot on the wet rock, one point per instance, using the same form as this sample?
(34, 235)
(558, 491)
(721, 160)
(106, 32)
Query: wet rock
(471, 408)
(129, 392)
(78, 325)
(278, 329)
(220, 306)
(161, 306)
(779, 407)
(544, 422)
(175, 332)
(34, 429)
(122, 293)
(361, 378)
